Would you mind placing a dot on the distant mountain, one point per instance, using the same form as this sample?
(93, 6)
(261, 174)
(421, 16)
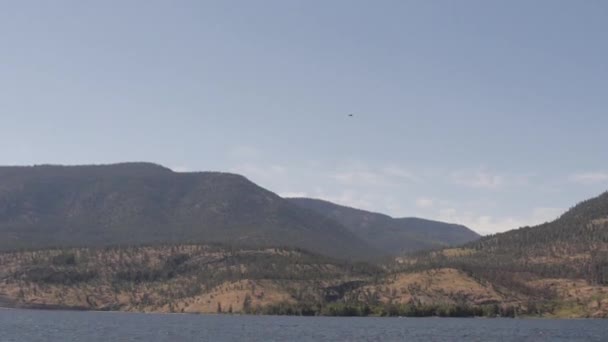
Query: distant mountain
(391, 235)
(555, 270)
(141, 203)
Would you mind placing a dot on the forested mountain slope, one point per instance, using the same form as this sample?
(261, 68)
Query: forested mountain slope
(556, 264)
(583, 228)
(141, 203)
(393, 235)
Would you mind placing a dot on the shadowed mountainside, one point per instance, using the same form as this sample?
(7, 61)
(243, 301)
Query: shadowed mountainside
(558, 269)
(393, 235)
(141, 203)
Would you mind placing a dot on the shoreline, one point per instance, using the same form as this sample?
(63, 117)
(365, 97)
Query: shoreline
(46, 307)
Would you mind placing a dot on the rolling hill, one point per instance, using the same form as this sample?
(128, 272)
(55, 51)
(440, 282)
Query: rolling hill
(393, 235)
(560, 266)
(557, 269)
(582, 229)
(140, 203)
(216, 279)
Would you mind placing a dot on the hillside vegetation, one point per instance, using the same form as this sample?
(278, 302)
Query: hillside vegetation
(214, 279)
(395, 236)
(178, 278)
(139, 237)
(140, 203)
(559, 265)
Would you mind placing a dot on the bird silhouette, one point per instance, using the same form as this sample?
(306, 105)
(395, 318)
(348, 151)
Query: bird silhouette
(351, 115)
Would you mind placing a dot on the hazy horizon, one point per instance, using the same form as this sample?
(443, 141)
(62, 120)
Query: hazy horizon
(490, 115)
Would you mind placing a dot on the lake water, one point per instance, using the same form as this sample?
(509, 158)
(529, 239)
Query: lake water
(32, 325)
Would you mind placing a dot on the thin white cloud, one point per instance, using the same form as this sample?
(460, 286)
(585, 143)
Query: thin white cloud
(488, 224)
(360, 178)
(358, 174)
(181, 169)
(398, 172)
(244, 152)
(385, 189)
(293, 194)
(424, 203)
(259, 172)
(589, 177)
(480, 179)
(349, 198)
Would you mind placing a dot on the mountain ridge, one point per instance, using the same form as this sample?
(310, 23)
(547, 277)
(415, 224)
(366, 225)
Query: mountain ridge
(396, 235)
(561, 265)
(557, 270)
(138, 203)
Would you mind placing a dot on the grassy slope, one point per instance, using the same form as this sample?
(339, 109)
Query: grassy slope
(198, 279)
(188, 278)
(559, 267)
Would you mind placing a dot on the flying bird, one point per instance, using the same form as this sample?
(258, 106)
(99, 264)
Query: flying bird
(351, 115)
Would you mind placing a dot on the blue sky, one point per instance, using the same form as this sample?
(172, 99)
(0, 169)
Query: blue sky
(488, 113)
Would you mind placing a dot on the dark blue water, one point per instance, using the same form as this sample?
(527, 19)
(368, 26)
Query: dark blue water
(31, 325)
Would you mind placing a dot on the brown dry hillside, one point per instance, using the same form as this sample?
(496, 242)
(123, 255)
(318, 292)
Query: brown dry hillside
(560, 267)
(209, 279)
(184, 278)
